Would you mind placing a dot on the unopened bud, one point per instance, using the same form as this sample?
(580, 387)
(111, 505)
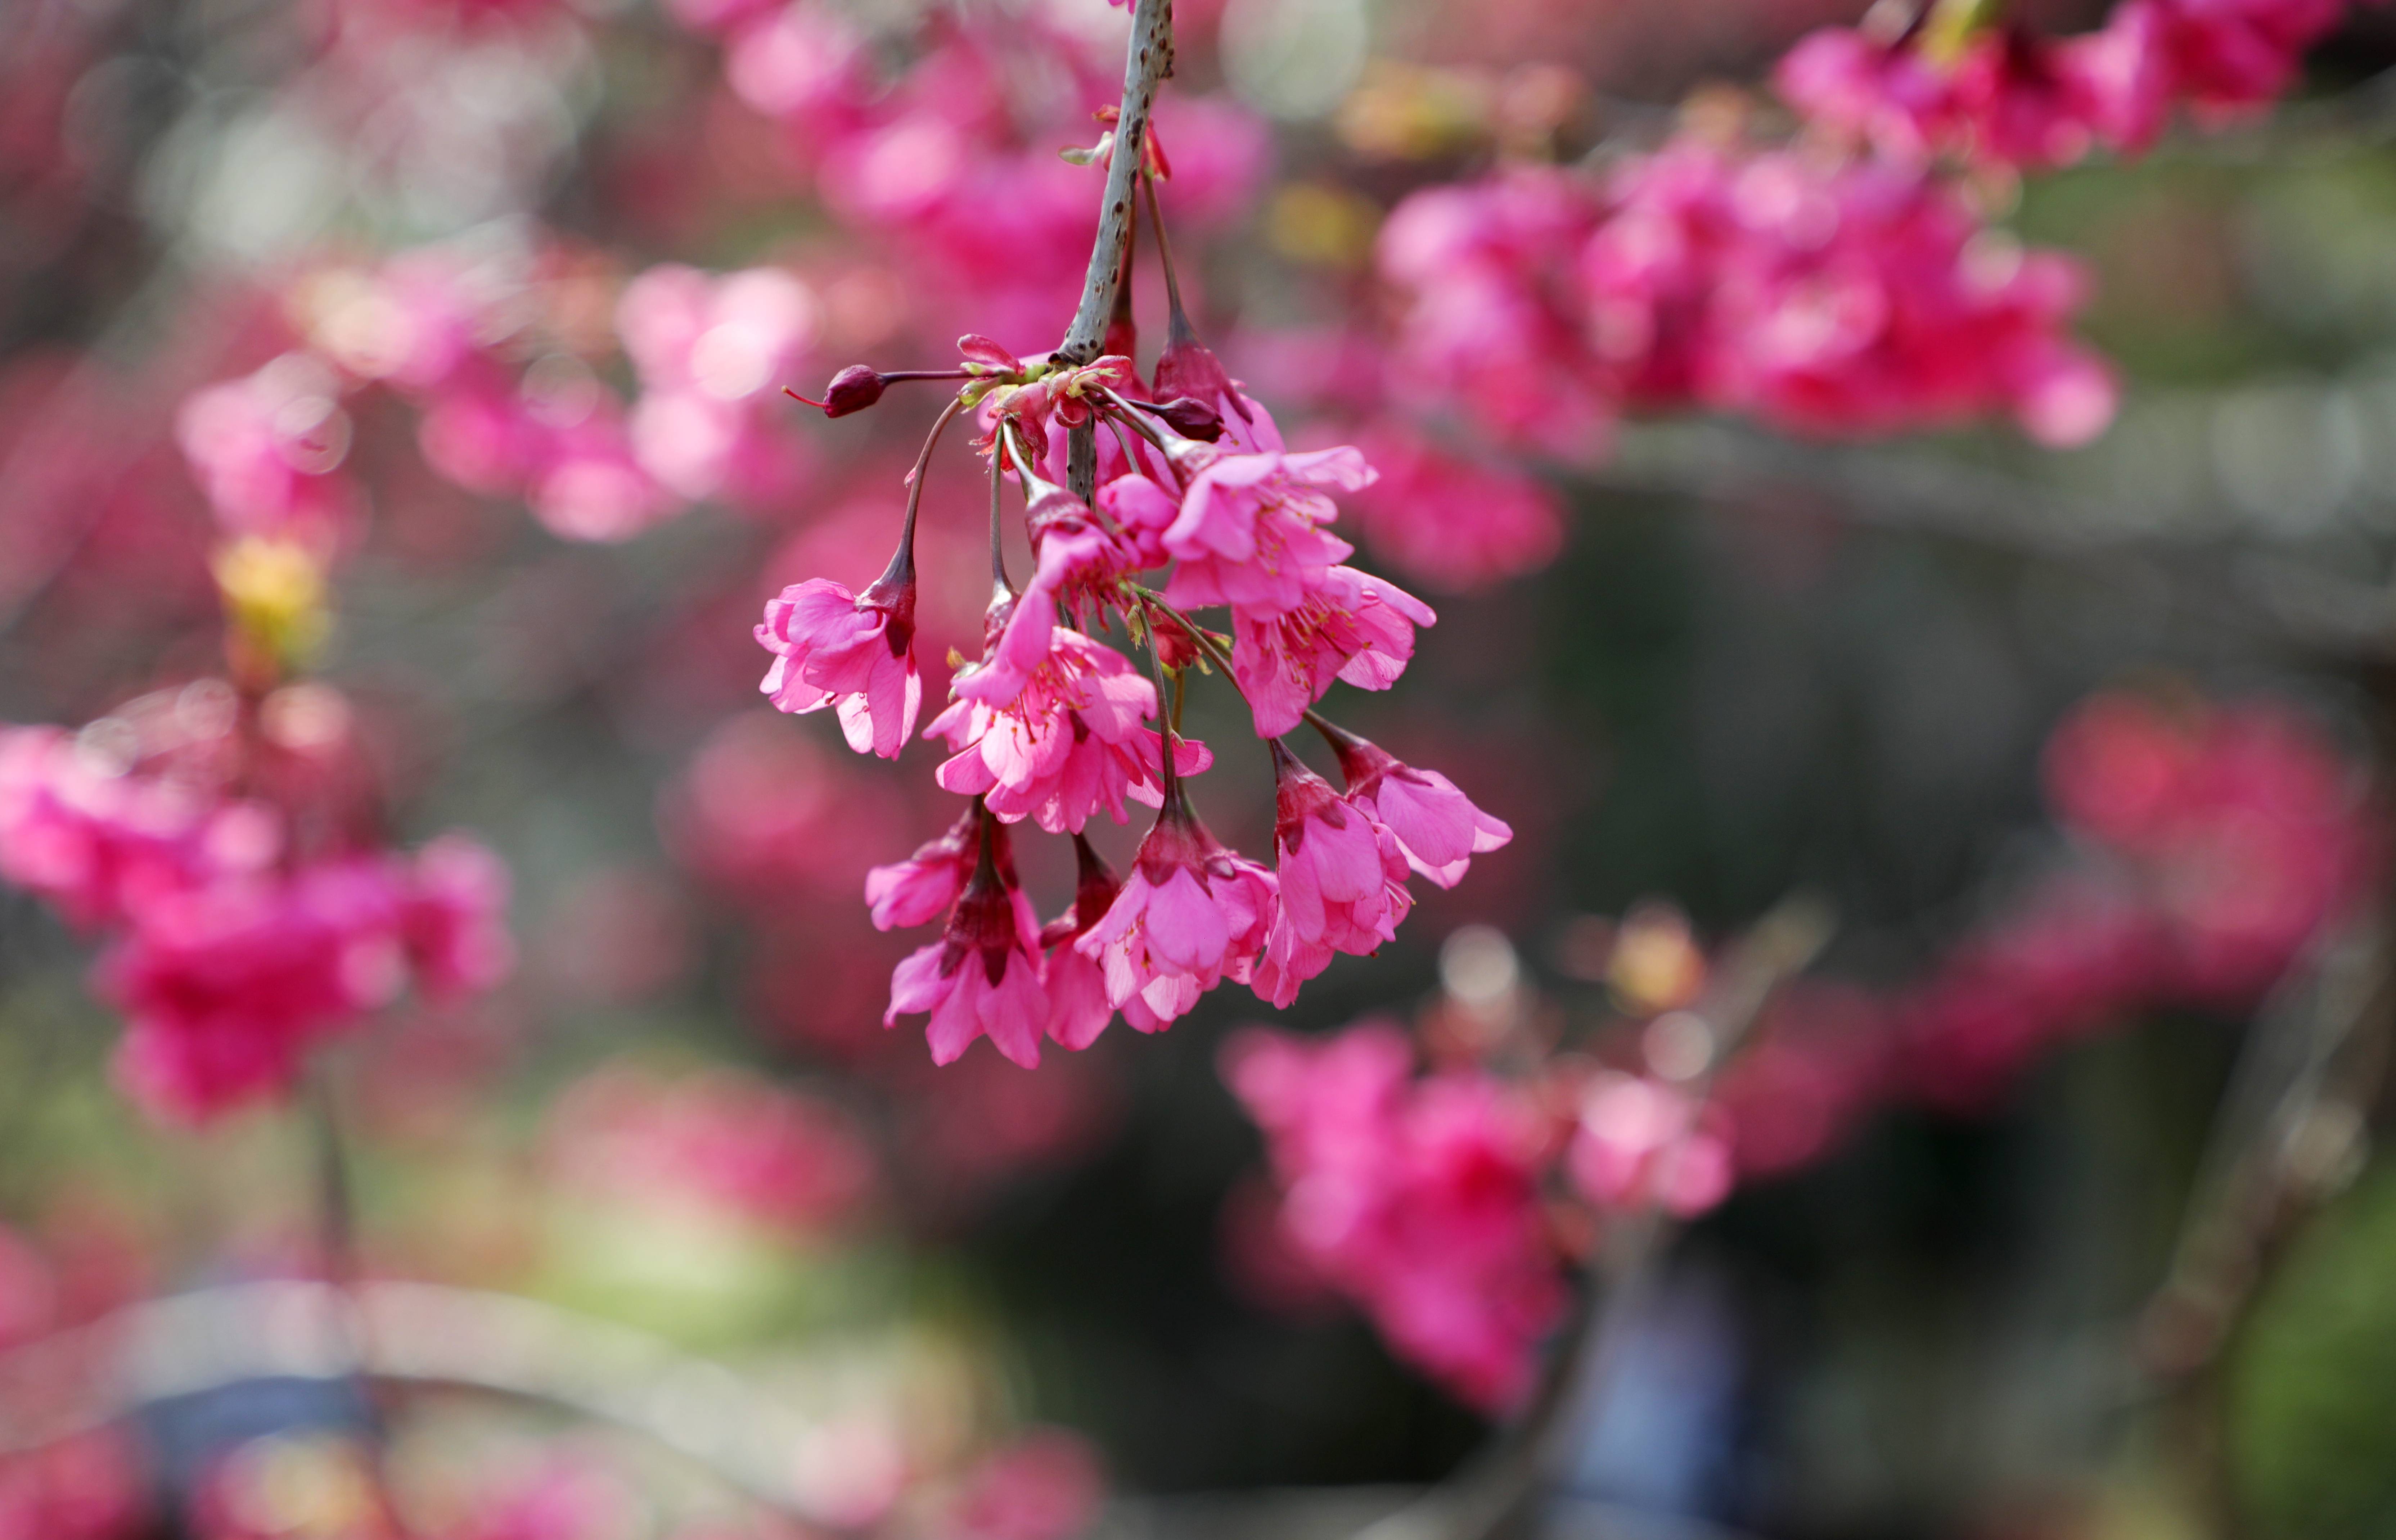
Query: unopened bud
(1191, 419)
(852, 390)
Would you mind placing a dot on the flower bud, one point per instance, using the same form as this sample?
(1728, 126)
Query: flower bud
(1191, 419)
(852, 390)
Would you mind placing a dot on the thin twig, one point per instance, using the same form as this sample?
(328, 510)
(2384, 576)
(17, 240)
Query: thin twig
(1148, 58)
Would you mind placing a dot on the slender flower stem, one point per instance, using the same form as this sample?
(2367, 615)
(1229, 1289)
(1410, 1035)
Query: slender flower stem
(902, 561)
(1178, 320)
(997, 480)
(1126, 412)
(1169, 724)
(1198, 634)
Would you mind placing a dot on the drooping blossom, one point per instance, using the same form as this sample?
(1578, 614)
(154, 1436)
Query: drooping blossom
(1418, 1197)
(919, 889)
(1353, 625)
(1078, 1007)
(1436, 826)
(1342, 882)
(1065, 745)
(855, 653)
(1250, 531)
(983, 978)
(1192, 914)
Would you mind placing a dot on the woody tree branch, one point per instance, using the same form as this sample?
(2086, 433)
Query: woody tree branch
(1147, 60)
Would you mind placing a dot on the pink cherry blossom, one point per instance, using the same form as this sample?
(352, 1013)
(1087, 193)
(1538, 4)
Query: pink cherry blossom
(919, 889)
(1250, 530)
(1078, 1007)
(1353, 627)
(982, 978)
(855, 653)
(1192, 914)
(1342, 881)
(1066, 745)
(1437, 828)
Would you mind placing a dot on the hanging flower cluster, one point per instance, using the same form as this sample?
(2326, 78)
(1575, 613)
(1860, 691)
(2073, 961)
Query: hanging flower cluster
(2009, 96)
(241, 928)
(1845, 297)
(1198, 506)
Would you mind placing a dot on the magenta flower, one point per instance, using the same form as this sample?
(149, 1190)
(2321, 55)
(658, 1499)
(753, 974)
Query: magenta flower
(1078, 1007)
(1080, 564)
(1354, 627)
(1250, 530)
(1437, 828)
(1191, 915)
(1341, 878)
(1188, 369)
(905, 894)
(981, 978)
(855, 653)
(1063, 745)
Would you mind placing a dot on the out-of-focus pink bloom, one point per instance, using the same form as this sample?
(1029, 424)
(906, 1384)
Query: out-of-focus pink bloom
(721, 1141)
(711, 351)
(765, 813)
(1885, 93)
(1485, 326)
(855, 653)
(1453, 523)
(1342, 882)
(1045, 1486)
(585, 483)
(85, 833)
(453, 918)
(267, 447)
(89, 1486)
(2027, 102)
(982, 978)
(1417, 1198)
(1250, 530)
(1192, 914)
(1065, 745)
(1353, 625)
(1640, 1141)
(1436, 826)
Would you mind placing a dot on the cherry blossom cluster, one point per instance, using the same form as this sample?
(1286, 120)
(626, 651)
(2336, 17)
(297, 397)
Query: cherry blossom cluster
(237, 932)
(2215, 844)
(951, 168)
(2006, 95)
(1817, 294)
(1049, 726)
(491, 349)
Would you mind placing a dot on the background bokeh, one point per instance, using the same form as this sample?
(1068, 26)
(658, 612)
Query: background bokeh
(1714, 667)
